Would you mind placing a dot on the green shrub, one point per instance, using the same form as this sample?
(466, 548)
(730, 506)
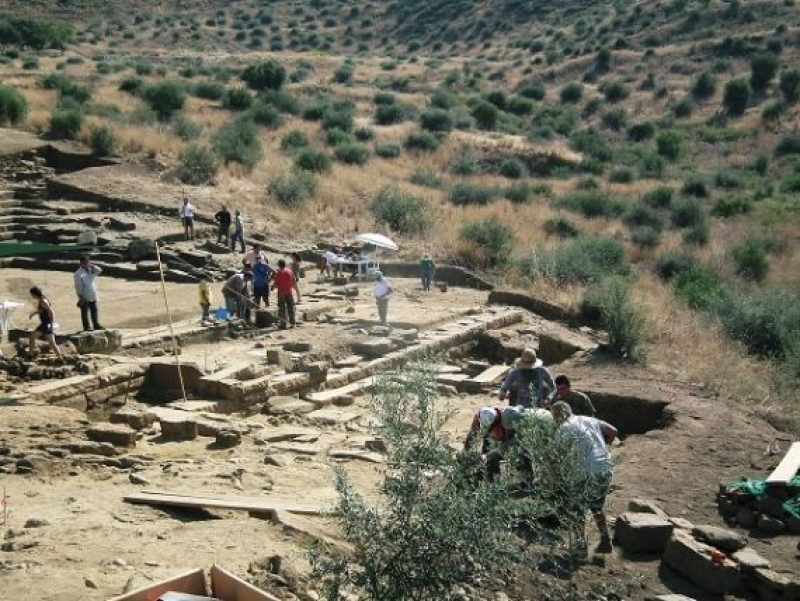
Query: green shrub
(437, 120)
(704, 86)
(352, 153)
(143, 69)
(165, 98)
(696, 187)
(622, 320)
(646, 237)
(763, 68)
(132, 85)
(641, 215)
(561, 227)
(519, 193)
(683, 108)
(199, 165)
(650, 164)
(641, 131)
(698, 233)
(791, 183)
(185, 128)
(364, 134)
(463, 194)
(592, 204)
(790, 85)
(534, 91)
(729, 206)
(772, 112)
(268, 75)
(65, 124)
(389, 114)
(385, 98)
(281, 100)
(669, 144)
(614, 91)
(729, 180)
(13, 106)
(209, 90)
(699, 287)
(571, 93)
(614, 119)
(312, 160)
(293, 189)
(493, 237)
(788, 144)
(440, 99)
(294, 140)
(339, 116)
(659, 198)
(387, 151)
(485, 115)
(582, 259)
(424, 177)
(520, 106)
(750, 260)
(237, 99)
(238, 142)
(621, 175)
(673, 264)
(686, 212)
(30, 63)
(591, 143)
(402, 213)
(737, 96)
(265, 114)
(344, 74)
(465, 163)
(513, 168)
(102, 140)
(423, 141)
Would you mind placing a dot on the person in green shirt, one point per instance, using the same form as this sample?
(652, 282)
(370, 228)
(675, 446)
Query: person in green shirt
(579, 402)
(427, 269)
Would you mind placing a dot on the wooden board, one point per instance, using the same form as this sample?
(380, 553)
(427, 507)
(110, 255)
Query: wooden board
(256, 505)
(193, 583)
(229, 587)
(787, 468)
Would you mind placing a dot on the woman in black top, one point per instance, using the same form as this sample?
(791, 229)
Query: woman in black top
(46, 319)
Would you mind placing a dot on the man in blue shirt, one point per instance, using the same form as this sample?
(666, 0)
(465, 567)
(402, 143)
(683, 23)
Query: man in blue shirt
(262, 273)
(525, 385)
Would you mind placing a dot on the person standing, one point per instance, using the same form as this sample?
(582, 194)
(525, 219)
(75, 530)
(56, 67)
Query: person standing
(85, 280)
(204, 290)
(186, 213)
(382, 292)
(223, 219)
(297, 269)
(284, 282)
(589, 438)
(427, 268)
(238, 231)
(579, 402)
(255, 253)
(525, 384)
(262, 273)
(46, 320)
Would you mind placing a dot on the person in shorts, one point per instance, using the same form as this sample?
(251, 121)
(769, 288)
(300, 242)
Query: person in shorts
(45, 329)
(186, 213)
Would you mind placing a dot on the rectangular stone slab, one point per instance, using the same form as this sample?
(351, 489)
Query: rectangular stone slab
(254, 504)
(788, 466)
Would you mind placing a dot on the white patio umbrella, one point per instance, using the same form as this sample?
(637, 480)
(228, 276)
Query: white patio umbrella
(378, 240)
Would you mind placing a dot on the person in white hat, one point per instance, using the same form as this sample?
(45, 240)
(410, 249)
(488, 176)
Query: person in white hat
(525, 384)
(382, 292)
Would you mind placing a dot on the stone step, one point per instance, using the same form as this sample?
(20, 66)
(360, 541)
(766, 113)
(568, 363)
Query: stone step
(6, 218)
(326, 397)
(487, 378)
(23, 210)
(11, 235)
(6, 194)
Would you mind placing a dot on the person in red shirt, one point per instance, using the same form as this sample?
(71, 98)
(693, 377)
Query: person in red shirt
(284, 282)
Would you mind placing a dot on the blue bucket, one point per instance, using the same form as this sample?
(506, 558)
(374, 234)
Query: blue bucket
(223, 314)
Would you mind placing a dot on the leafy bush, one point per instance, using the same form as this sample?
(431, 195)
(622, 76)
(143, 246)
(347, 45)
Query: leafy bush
(695, 186)
(237, 99)
(199, 165)
(423, 141)
(338, 116)
(699, 287)
(698, 233)
(312, 160)
(265, 114)
(465, 163)
(534, 91)
(737, 96)
(102, 140)
(614, 91)
(763, 68)
(790, 85)
(424, 177)
(463, 194)
(669, 144)
(704, 86)
(750, 260)
(65, 124)
(614, 119)
(294, 140)
(592, 204)
(436, 120)
(646, 237)
(571, 93)
(561, 227)
(352, 153)
(686, 212)
(387, 151)
(364, 134)
(621, 175)
(13, 106)
(641, 215)
(492, 236)
(268, 75)
(683, 108)
(513, 168)
(788, 144)
(619, 317)
(659, 198)
(673, 264)
(238, 142)
(791, 183)
(209, 90)
(385, 98)
(401, 212)
(590, 142)
(582, 259)
(281, 100)
(165, 97)
(728, 206)
(729, 180)
(519, 193)
(389, 114)
(485, 115)
(520, 106)
(185, 128)
(641, 131)
(293, 189)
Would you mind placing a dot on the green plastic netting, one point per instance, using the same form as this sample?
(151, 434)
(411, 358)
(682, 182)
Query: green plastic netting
(757, 489)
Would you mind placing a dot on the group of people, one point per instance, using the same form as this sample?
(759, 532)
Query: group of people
(533, 394)
(249, 288)
(186, 212)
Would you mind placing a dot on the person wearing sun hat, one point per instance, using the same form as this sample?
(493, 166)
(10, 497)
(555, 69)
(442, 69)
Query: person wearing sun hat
(525, 384)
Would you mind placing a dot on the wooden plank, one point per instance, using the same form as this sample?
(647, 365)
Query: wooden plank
(229, 587)
(787, 468)
(192, 583)
(257, 505)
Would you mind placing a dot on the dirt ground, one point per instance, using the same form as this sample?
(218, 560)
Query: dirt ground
(91, 544)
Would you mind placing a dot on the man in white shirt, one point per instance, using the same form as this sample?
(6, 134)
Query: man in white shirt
(254, 254)
(331, 262)
(382, 292)
(186, 213)
(590, 438)
(85, 280)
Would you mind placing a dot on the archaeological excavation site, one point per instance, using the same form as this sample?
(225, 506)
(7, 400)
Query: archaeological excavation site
(165, 444)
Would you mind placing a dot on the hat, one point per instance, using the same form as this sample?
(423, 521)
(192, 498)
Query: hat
(487, 415)
(510, 417)
(528, 360)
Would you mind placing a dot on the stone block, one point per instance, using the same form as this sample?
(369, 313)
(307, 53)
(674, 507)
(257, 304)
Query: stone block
(558, 343)
(297, 347)
(721, 538)
(333, 416)
(178, 428)
(279, 357)
(642, 532)
(283, 405)
(646, 506)
(749, 560)
(227, 438)
(769, 525)
(99, 341)
(373, 348)
(117, 434)
(163, 376)
(692, 559)
(195, 258)
(134, 418)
